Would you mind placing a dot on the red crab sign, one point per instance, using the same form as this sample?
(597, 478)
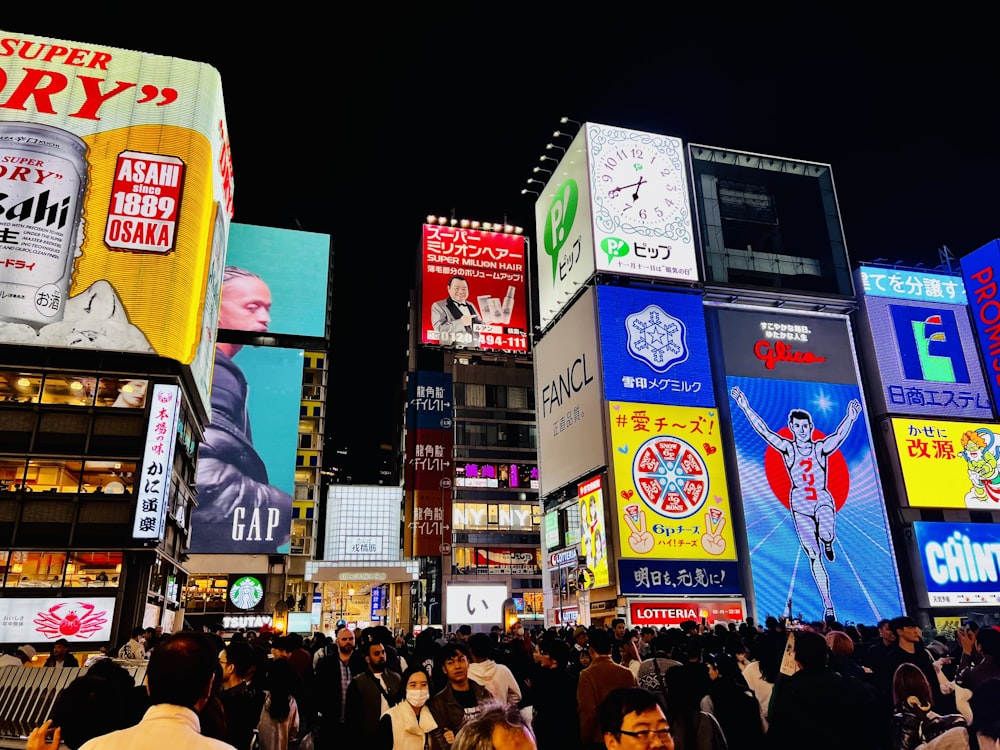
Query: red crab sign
(73, 619)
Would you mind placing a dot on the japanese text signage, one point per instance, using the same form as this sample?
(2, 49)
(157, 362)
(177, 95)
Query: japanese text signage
(474, 605)
(672, 500)
(653, 347)
(84, 620)
(670, 613)
(981, 271)
(926, 357)
(911, 285)
(815, 517)
(593, 530)
(377, 604)
(116, 179)
(949, 464)
(429, 470)
(960, 562)
(153, 487)
(473, 289)
(677, 578)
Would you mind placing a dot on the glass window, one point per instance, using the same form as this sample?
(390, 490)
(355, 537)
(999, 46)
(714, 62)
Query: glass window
(11, 474)
(36, 569)
(517, 397)
(108, 477)
(122, 393)
(463, 560)
(93, 569)
(53, 475)
(475, 394)
(71, 390)
(19, 387)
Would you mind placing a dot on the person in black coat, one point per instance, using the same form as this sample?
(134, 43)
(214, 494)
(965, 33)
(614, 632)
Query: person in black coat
(554, 687)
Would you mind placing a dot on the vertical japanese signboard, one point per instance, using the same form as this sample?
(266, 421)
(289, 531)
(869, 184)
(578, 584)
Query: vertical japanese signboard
(153, 486)
(473, 289)
(429, 475)
(922, 350)
(815, 517)
(117, 181)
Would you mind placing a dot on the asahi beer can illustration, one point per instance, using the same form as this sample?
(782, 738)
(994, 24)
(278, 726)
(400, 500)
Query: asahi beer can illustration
(43, 179)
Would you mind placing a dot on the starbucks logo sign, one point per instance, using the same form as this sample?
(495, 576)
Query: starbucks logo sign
(246, 592)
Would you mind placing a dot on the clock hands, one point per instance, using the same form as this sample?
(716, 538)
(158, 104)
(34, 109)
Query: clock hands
(635, 195)
(613, 192)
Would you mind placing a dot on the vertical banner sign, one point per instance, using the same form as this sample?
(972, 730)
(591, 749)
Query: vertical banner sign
(815, 517)
(157, 463)
(593, 531)
(981, 272)
(429, 441)
(653, 349)
(473, 289)
(377, 603)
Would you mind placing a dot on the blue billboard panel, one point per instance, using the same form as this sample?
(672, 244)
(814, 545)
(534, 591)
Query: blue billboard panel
(246, 464)
(926, 357)
(653, 347)
(429, 404)
(981, 272)
(960, 561)
(638, 577)
(293, 265)
(911, 285)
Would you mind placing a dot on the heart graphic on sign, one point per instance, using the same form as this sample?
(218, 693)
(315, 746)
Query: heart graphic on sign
(709, 449)
(627, 494)
(617, 407)
(623, 448)
(718, 500)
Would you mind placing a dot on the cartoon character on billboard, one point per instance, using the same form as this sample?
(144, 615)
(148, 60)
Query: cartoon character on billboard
(981, 449)
(592, 533)
(806, 459)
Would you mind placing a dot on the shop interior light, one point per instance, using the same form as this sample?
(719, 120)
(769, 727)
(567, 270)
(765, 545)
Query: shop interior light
(76, 385)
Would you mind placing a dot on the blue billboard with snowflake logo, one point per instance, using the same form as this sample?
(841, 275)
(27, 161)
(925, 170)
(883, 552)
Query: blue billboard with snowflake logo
(654, 347)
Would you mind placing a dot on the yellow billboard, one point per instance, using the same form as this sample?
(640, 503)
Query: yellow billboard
(948, 464)
(115, 199)
(672, 500)
(593, 531)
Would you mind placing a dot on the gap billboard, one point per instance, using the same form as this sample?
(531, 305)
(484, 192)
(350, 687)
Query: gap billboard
(117, 188)
(815, 517)
(922, 353)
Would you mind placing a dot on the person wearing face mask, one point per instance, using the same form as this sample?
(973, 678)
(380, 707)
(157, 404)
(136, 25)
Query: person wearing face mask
(409, 725)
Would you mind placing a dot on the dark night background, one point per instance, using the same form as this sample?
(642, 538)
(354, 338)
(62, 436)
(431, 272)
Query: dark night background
(358, 123)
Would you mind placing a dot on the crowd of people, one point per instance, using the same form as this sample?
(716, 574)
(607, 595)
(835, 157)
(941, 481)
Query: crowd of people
(729, 687)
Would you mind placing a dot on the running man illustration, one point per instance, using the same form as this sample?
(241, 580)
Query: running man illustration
(813, 510)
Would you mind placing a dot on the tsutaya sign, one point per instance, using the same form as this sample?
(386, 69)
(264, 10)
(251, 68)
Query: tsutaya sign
(235, 622)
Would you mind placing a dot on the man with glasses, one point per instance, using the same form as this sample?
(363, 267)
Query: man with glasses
(632, 718)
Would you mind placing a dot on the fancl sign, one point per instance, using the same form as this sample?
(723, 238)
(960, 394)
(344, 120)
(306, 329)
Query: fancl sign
(961, 562)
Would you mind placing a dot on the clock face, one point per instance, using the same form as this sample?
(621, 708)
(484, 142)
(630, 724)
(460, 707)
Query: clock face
(638, 182)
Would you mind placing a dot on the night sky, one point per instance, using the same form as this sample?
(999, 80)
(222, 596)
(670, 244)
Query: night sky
(358, 123)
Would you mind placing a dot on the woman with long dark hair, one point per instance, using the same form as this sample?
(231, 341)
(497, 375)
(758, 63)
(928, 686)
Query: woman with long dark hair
(279, 720)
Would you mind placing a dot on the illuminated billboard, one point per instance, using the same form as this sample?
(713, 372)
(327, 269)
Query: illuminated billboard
(86, 619)
(294, 266)
(565, 258)
(815, 517)
(429, 470)
(473, 289)
(672, 502)
(480, 604)
(493, 474)
(670, 613)
(594, 531)
(926, 359)
(653, 349)
(152, 490)
(641, 209)
(570, 407)
(117, 192)
(981, 272)
(948, 464)
(960, 562)
(246, 463)
(650, 577)
(908, 284)
(362, 522)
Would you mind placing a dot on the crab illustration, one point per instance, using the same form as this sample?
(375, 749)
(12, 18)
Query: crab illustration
(70, 619)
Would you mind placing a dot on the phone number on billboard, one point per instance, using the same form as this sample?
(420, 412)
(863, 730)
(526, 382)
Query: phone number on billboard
(502, 341)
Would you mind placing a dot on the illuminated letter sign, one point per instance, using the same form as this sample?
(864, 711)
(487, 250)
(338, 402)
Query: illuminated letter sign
(929, 344)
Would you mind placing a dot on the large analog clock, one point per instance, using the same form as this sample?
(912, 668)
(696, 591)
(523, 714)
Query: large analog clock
(637, 181)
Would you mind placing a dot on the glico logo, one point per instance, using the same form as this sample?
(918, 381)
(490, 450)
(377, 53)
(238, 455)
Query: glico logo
(929, 344)
(772, 353)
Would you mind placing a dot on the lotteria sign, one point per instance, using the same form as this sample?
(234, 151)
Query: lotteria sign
(961, 562)
(672, 612)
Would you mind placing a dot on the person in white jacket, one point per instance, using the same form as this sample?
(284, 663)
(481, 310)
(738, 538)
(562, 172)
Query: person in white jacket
(496, 678)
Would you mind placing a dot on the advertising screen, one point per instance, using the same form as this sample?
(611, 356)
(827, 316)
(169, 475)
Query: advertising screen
(650, 577)
(565, 258)
(926, 357)
(293, 267)
(815, 516)
(641, 209)
(114, 171)
(653, 347)
(246, 464)
(672, 500)
(593, 531)
(670, 613)
(473, 289)
(948, 464)
(960, 562)
(480, 604)
(498, 475)
(568, 393)
(78, 620)
(981, 272)
(911, 285)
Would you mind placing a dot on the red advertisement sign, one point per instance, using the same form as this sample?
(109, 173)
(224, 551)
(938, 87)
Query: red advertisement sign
(473, 289)
(145, 202)
(672, 612)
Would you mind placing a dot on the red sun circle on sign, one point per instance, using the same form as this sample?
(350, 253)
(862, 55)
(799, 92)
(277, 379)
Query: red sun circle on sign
(838, 477)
